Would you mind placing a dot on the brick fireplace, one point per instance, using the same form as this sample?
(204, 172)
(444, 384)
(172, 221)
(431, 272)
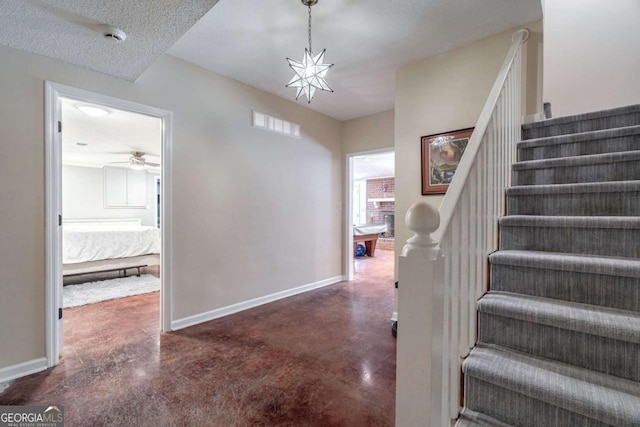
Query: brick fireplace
(381, 208)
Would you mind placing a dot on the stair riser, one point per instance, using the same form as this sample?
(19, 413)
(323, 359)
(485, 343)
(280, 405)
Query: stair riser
(519, 410)
(596, 289)
(577, 204)
(613, 357)
(600, 172)
(581, 148)
(592, 241)
(590, 125)
(474, 419)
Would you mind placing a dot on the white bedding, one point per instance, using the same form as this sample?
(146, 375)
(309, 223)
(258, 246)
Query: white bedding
(91, 243)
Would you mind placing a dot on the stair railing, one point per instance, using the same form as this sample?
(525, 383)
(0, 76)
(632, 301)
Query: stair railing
(441, 279)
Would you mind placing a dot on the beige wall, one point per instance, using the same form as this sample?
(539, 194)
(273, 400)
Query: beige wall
(591, 59)
(445, 93)
(254, 212)
(368, 133)
(372, 132)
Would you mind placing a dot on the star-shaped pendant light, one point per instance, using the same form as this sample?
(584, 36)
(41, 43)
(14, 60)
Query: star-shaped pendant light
(311, 70)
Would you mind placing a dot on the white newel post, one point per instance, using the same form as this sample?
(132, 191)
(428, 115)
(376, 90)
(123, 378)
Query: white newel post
(420, 308)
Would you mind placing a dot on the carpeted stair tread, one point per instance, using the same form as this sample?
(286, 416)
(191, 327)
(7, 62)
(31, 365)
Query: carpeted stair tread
(469, 418)
(620, 222)
(580, 137)
(605, 119)
(616, 236)
(559, 329)
(615, 291)
(585, 143)
(610, 266)
(595, 395)
(612, 198)
(605, 322)
(574, 188)
(585, 116)
(572, 161)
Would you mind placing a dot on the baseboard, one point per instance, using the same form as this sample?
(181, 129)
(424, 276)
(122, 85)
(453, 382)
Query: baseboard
(532, 118)
(22, 369)
(394, 316)
(235, 308)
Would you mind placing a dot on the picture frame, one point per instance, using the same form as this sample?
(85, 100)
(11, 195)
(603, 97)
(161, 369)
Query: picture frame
(440, 156)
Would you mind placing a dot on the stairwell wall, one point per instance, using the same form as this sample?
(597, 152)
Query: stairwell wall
(445, 93)
(591, 59)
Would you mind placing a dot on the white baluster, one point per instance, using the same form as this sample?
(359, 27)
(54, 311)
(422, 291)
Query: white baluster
(437, 296)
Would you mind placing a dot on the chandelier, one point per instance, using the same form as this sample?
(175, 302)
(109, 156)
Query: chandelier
(310, 72)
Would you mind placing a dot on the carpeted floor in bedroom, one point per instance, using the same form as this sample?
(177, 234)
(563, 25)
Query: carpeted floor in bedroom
(323, 358)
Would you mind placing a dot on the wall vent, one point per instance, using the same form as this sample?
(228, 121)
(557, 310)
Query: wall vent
(274, 124)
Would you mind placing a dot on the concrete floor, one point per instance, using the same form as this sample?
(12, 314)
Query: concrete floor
(323, 358)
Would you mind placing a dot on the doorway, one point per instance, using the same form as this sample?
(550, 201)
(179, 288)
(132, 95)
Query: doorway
(370, 239)
(57, 99)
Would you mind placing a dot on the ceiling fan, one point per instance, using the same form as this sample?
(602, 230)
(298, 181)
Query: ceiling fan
(137, 161)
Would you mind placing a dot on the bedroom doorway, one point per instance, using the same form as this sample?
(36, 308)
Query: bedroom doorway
(109, 152)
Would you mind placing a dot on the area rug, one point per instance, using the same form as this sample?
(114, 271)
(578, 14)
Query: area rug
(92, 292)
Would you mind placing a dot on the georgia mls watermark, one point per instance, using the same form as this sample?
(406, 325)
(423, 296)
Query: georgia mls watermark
(31, 416)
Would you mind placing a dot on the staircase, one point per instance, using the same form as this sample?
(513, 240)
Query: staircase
(559, 330)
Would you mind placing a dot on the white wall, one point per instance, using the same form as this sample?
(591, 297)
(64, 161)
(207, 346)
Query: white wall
(591, 59)
(83, 196)
(254, 212)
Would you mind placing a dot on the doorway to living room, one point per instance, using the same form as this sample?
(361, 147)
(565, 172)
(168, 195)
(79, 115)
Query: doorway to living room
(371, 213)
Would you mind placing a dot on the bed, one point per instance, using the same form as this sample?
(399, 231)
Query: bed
(97, 245)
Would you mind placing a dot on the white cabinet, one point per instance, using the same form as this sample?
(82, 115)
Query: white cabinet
(125, 188)
(137, 188)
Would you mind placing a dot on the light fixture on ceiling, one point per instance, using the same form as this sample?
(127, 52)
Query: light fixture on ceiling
(311, 70)
(136, 166)
(93, 110)
(137, 161)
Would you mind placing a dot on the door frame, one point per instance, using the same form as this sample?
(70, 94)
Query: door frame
(348, 241)
(53, 209)
(158, 192)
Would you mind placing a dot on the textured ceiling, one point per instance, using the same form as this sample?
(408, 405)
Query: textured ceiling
(70, 30)
(248, 40)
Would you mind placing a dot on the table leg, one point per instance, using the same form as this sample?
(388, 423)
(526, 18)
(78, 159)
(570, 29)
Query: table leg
(371, 247)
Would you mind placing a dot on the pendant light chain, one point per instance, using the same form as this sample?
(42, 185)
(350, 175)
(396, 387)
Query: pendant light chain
(310, 72)
(310, 50)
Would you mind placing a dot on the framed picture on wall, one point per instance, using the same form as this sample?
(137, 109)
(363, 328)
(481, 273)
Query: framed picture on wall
(440, 155)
